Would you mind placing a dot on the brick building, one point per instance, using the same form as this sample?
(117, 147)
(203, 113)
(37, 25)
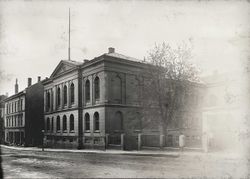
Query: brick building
(23, 118)
(95, 104)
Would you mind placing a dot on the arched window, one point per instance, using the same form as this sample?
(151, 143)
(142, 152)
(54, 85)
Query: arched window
(97, 122)
(117, 89)
(87, 122)
(72, 93)
(64, 123)
(58, 96)
(58, 124)
(117, 122)
(48, 124)
(87, 90)
(52, 124)
(65, 95)
(48, 100)
(71, 126)
(97, 88)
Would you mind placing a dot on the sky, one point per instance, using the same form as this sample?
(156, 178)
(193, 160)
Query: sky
(34, 34)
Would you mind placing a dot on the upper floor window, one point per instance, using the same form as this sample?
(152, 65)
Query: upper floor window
(87, 90)
(72, 92)
(58, 96)
(58, 123)
(96, 119)
(48, 100)
(21, 104)
(48, 124)
(65, 95)
(87, 122)
(97, 88)
(64, 123)
(52, 124)
(71, 126)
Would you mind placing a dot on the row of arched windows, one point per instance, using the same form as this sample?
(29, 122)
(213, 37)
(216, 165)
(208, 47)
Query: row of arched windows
(66, 92)
(96, 122)
(50, 123)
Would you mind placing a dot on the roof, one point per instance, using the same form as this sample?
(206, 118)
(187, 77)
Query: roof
(117, 55)
(77, 63)
(14, 96)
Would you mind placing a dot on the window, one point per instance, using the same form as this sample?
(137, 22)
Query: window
(72, 92)
(21, 104)
(87, 122)
(97, 88)
(58, 96)
(96, 118)
(52, 124)
(48, 124)
(71, 126)
(64, 123)
(21, 120)
(58, 123)
(65, 95)
(87, 91)
(48, 100)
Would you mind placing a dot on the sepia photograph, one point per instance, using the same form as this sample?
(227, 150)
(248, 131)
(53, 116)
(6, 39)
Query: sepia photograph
(125, 89)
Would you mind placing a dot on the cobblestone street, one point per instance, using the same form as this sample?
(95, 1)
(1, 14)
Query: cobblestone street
(38, 164)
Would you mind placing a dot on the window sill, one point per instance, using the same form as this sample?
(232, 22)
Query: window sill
(97, 131)
(65, 131)
(87, 131)
(72, 131)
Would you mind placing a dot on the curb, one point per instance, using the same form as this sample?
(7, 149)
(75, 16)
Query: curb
(174, 155)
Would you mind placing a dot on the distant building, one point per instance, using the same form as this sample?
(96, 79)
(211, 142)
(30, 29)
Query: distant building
(23, 118)
(224, 111)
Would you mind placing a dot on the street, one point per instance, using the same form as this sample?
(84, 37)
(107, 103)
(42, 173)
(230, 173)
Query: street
(38, 164)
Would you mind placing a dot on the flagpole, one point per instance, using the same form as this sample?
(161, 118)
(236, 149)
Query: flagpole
(69, 37)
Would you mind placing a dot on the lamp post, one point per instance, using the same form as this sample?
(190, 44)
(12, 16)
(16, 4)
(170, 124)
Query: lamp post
(43, 141)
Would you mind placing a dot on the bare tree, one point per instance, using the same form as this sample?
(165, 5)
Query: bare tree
(168, 74)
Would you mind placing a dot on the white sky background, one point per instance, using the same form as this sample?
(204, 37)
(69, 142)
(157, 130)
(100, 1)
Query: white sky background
(33, 35)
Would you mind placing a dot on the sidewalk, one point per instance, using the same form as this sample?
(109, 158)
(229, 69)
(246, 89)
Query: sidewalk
(144, 152)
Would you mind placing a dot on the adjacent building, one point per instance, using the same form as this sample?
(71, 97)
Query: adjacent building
(2, 97)
(23, 117)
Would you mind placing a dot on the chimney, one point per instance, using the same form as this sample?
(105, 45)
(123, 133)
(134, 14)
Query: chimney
(85, 60)
(16, 87)
(7, 94)
(29, 81)
(111, 50)
(38, 79)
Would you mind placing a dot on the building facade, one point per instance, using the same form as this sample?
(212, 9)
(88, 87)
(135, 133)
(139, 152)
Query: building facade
(23, 118)
(96, 104)
(86, 101)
